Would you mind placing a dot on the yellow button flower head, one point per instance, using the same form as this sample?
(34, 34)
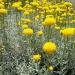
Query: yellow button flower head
(34, 4)
(49, 16)
(27, 21)
(24, 26)
(67, 32)
(64, 14)
(36, 57)
(26, 13)
(28, 31)
(72, 21)
(1, 5)
(49, 47)
(45, 8)
(3, 11)
(50, 68)
(49, 21)
(67, 4)
(57, 27)
(1, 0)
(20, 8)
(27, 2)
(16, 4)
(22, 19)
(40, 33)
(37, 17)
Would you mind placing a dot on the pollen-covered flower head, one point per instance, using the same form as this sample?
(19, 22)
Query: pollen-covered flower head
(49, 21)
(28, 31)
(50, 68)
(67, 4)
(36, 57)
(40, 33)
(67, 31)
(3, 11)
(49, 47)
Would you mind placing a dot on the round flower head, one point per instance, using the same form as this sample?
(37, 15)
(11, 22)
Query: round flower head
(24, 26)
(49, 21)
(37, 57)
(67, 4)
(1, 0)
(67, 31)
(50, 68)
(3, 11)
(34, 4)
(49, 47)
(26, 21)
(20, 8)
(16, 4)
(37, 17)
(26, 13)
(28, 31)
(1, 6)
(40, 33)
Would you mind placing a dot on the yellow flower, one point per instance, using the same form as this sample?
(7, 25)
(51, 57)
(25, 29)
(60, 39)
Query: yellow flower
(16, 4)
(45, 8)
(36, 57)
(64, 14)
(43, 23)
(20, 8)
(67, 4)
(49, 21)
(50, 68)
(72, 21)
(49, 47)
(1, 5)
(22, 19)
(40, 33)
(48, 16)
(28, 31)
(34, 4)
(24, 26)
(1, 0)
(51, 11)
(3, 11)
(67, 31)
(37, 17)
(27, 2)
(26, 13)
(26, 21)
(57, 27)
(58, 9)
